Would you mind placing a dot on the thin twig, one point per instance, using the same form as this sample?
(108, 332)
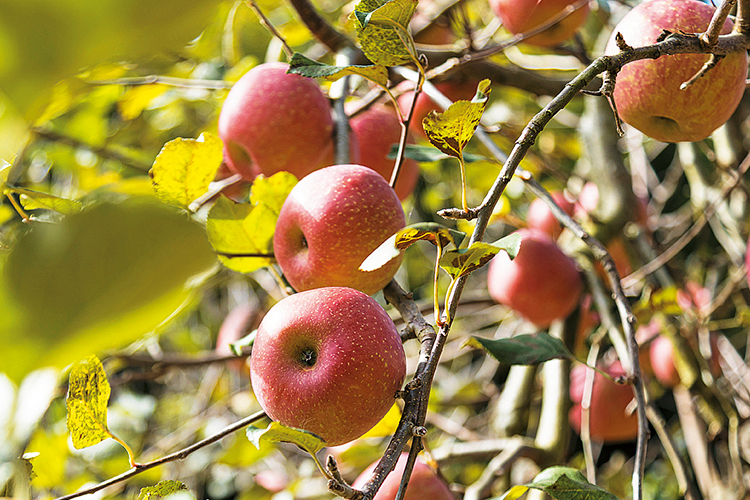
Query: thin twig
(267, 24)
(717, 23)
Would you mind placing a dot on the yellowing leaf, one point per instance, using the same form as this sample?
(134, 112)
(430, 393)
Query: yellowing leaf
(185, 167)
(464, 261)
(301, 65)
(138, 98)
(382, 30)
(451, 131)
(387, 425)
(161, 489)
(88, 395)
(272, 191)
(279, 433)
(32, 200)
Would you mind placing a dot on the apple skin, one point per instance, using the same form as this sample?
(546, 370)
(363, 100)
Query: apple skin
(609, 421)
(648, 95)
(273, 121)
(540, 216)
(330, 222)
(328, 361)
(423, 483)
(519, 16)
(542, 284)
(376, 130)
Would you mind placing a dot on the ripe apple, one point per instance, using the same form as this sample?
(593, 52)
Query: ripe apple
(542, 284)
(540, 216)
(376, 130)
(423, 483)
(328, 361)
(661, 351)
(520, 16)
(609, 420)
(330, 222)
(454, 90)
(239, 322)
(648, 94)
(273, 121)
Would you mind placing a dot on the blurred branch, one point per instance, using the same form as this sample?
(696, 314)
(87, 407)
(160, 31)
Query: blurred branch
(321, 28)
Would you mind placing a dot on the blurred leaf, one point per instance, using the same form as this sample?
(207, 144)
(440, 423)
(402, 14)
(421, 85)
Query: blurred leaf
(662, 301)
(279, 433)
(511, 244)
(161, 489)
(387, 425)
(301, 65)
(451, 130)
(382, 30)
(428, 154)
(138, 98)
(185, 167)
(33, 200)
(527, 349)
(88, 396)
(561, 483)
(464, 261)
(97, 280)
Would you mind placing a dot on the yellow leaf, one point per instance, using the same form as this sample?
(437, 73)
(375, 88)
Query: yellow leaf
(382, 30)
(138, 98)
(88, 395)
(185, 167)
(387, 425)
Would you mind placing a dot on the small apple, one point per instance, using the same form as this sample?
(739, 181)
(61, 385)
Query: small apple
(540, 216)
(423, 483)
(661, 351)
(520, 16)
(238, 323)
(376, 130)
(273, 121)
(648, 95)
(454, 90)
(542, 284)
(330, 222)
(609, 420)
(328, 361)
(430, 26)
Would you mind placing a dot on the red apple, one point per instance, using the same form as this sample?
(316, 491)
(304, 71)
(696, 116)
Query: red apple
(661, 351)
(542, 284)
(330, 222)
(540, 216)
(455, 91)
(520, 16)
(648, 94)
(609, 420)
(273, 121)
(238, 323)
(376, 130)
(423, 483)
(328, 361)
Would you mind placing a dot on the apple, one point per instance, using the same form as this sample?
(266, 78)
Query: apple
(328, 361)
(239, 322)
(647, 93)
(542, 284)
(609, 421)
(376, 130)
(273, 121)
(540, 216)
(423, 483)
(661, 351)
(454, 90)
(330, 222)
(429, 29)
(520, 16)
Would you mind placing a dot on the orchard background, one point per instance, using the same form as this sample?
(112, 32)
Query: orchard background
(85, 271)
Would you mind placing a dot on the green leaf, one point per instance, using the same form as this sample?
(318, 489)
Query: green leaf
(392, 247)
(561, 483)
(527, 349)
(33, 200)
(464, 261)
(511, 244)
(242, 233)
(382, 30)
(162, 489)
(88, 395)
(304, 66)
(451, 131)
(184, 168)
(99, 279)
(279, 433)
(428, 154)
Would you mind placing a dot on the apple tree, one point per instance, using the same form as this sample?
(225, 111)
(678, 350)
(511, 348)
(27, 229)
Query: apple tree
(374, 249)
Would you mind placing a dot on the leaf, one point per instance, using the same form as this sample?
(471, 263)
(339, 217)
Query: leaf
(527, 349)
(279, 433)
(451, 130)
(184, 168)
(404, 238)
(510, 243)
(561, 483)
(272, 191)
(304, 66)
(162, 489)
(33, 200)
(428, 154)
(464, 261)
(97, 280)
(88, 395)
(382, 30)
(663, 301)
(386, 426)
